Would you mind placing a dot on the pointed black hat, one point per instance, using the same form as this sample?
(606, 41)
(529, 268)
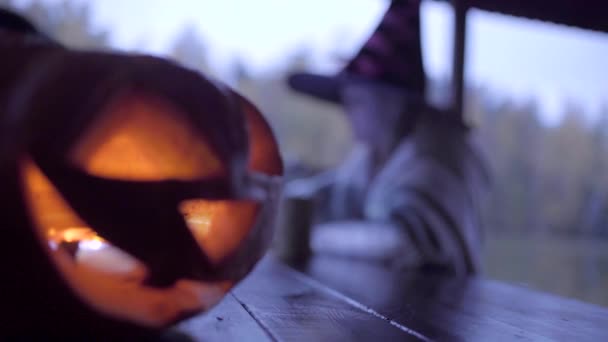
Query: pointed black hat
(392, 55)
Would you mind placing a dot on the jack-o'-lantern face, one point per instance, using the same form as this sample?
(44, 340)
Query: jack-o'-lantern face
(148, 213)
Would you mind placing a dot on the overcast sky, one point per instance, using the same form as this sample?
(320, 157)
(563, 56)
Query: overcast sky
(522, 58)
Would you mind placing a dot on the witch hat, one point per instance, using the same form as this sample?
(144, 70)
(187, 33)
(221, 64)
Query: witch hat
(392, 55)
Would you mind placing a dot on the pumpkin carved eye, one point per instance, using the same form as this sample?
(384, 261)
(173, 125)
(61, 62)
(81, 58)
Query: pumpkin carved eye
(146, 217)
(141, 138)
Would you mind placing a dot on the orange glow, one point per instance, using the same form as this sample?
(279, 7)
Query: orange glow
(144, 139)
(219, 226)
(73, 234)
(52, 215)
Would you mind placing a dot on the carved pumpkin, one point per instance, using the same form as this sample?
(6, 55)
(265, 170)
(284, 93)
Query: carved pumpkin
(134, 192)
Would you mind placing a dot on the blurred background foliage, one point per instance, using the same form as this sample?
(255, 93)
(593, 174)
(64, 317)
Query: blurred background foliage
(547, 215)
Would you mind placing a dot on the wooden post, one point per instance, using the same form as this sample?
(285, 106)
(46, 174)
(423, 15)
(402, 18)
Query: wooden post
(458, 62)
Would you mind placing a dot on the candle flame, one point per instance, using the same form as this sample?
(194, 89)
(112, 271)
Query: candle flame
(74, 234)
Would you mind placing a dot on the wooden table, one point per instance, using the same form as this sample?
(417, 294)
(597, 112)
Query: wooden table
(333, 299)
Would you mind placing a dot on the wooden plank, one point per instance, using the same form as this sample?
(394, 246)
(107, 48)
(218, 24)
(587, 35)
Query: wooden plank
(553, 316)
(446, 308)
(292, 307)
(228, 321)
